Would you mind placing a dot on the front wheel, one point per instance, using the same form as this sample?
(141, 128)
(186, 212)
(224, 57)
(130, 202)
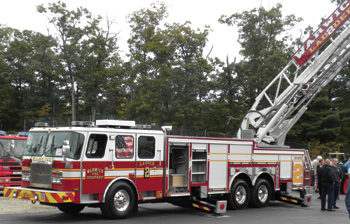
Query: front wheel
(239, 195)
(120, 201)
(261, 193)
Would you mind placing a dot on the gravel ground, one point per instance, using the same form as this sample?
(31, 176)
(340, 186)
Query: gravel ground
(13, 206)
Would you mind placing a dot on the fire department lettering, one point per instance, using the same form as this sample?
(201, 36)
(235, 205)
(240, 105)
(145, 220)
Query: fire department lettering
(43, 159)
(146, 163)
(323, 33)
(94, 173)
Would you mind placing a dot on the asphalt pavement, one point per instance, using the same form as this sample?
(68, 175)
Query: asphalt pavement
(275, 213)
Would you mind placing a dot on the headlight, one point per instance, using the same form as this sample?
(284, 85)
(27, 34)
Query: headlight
(26, 174)
(57, 177)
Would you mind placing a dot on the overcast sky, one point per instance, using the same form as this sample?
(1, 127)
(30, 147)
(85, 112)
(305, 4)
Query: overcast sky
(22, 14)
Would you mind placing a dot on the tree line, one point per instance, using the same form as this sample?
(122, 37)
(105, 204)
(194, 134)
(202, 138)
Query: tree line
(77, 72)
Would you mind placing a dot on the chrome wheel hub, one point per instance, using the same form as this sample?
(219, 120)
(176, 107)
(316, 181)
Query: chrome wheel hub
(121, 200)
(240, 195)
(263, 193)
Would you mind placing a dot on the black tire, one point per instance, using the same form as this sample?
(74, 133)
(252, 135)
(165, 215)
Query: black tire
(120, 201)
(239, 196)
(261, 194)
(70, 208)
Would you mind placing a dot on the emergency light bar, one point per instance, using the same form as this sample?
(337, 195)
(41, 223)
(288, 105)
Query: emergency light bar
(115, 123)
(83, 123)
(22, 134)
(41, 124)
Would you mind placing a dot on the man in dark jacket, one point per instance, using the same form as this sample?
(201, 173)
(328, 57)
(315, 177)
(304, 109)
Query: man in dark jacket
(319, 184)
(338, 175)
(327, 178)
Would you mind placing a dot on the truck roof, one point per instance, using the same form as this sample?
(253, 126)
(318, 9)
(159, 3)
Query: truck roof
(98, 129)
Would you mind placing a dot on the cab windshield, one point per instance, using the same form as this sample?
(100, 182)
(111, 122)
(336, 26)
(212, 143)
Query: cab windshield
(50, 144)
(13, 147)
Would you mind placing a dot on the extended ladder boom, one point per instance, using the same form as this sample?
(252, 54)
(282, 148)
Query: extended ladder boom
(280, 105)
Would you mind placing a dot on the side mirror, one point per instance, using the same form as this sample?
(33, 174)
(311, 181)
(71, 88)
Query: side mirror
(66, 148)
(65, 153)
(12, 145)
(11, 149)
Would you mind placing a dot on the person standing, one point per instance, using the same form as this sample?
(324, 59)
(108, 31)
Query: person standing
(313, 172)
(315, 164)
(338, 175)
(346, 164)
(327, 179)
(347, 198)
(345, 176)
(319, 183)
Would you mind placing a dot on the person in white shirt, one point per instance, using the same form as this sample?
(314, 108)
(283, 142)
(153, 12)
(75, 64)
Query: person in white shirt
(314, 165)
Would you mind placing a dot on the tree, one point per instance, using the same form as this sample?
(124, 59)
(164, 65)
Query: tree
(71, 33)
(28, 73)
(265, 48)
(145, 44)
(227, 97)
(191, 72)
(46, 81)
(6, 89)
(99, 54)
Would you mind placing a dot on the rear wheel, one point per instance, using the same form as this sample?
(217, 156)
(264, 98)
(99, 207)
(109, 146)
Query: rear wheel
(70, 208)
(239, 195)
(261, 193)
(120, 201)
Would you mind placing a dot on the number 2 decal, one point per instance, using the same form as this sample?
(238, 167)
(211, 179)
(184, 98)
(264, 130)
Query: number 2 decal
(146, 173)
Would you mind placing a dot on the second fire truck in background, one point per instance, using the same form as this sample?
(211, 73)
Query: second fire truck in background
(11, 152)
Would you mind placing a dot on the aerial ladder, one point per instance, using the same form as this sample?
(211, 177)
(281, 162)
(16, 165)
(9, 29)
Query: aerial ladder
(280, 105)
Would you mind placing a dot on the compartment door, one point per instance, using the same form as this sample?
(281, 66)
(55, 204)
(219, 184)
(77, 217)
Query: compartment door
(218, 166)
(298, 171)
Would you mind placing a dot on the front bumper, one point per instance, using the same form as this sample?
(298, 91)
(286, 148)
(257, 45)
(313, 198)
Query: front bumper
(44, 196)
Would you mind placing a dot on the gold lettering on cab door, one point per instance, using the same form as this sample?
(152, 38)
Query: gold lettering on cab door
(94, 173)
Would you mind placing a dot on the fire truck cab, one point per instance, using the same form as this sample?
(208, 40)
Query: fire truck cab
(11, 151)
(115, 165)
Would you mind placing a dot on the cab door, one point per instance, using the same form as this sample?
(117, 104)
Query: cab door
(125, 158)
(108, 156)
(95, 162)
(150, 166)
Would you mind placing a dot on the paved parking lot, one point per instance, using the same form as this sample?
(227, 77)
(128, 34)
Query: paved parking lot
(275, 213)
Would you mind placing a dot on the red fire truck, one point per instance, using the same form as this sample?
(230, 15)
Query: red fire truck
(11, 151)
(115, 165)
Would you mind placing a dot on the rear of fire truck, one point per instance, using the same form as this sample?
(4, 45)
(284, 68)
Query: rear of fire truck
(11, 151)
